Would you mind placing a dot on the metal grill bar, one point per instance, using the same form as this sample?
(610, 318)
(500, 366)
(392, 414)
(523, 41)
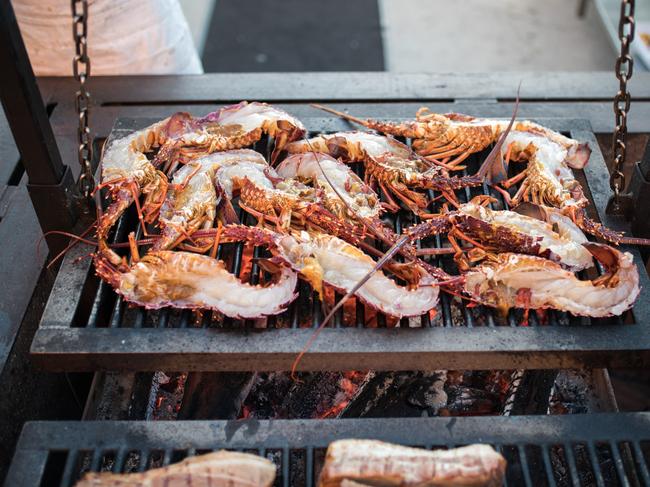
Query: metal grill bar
(109, 335)
(536, 447)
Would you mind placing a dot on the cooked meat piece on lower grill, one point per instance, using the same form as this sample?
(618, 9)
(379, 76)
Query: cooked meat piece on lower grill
(220, 469)
(368, 462)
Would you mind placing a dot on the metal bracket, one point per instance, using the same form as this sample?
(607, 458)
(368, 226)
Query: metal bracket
(55, 205)
(640, 190)
(624, 207)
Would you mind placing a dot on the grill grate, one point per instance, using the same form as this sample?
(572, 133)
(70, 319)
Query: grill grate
(85, 326)
(541, 450)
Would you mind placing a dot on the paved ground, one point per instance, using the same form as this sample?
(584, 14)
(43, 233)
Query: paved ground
(405, 35)
(484, 35)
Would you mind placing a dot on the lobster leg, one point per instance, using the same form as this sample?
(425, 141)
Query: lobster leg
(215, 244)
(458, 233)
(521, 193)
(459, 257)
(185, 182)
(514, 180)
(462, 157)
(428, 147)
(414, 201)
(391, 205)
(135, 193)
(133, 246)
(451, 152)
(152, 206)
(506, 196)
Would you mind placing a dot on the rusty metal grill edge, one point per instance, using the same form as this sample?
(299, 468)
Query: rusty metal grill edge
(66, 341)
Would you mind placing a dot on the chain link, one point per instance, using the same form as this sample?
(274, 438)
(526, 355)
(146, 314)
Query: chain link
(81, 72)
(624, 68)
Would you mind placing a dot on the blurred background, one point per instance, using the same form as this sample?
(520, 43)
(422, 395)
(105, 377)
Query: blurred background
(410, 35)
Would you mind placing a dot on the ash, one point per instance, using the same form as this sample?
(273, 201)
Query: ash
(570, 394)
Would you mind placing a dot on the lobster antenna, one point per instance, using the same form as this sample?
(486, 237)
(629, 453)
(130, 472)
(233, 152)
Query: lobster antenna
(364, 123)
(491, 159)
(343, 115)
(634, 241)
(75, 238)
(380, 263)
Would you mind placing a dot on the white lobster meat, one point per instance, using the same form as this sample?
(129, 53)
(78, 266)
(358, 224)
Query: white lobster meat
(524, 281)
(322, 258)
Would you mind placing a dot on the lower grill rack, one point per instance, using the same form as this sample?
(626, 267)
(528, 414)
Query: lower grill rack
(596, 449)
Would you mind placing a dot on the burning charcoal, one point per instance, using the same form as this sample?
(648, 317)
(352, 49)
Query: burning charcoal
(466, 401)
(215, 395)
(428, 392)
(569, 395)
(169, 394)
(314, 395)
(400, 394)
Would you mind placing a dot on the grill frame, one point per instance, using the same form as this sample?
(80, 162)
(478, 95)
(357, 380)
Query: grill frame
(61, 345)
(100, 437)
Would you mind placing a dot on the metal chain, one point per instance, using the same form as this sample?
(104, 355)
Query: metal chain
(624, 65)
(81, 71)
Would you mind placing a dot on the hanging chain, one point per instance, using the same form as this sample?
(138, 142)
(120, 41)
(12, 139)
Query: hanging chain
(81, 71)
(624, 65)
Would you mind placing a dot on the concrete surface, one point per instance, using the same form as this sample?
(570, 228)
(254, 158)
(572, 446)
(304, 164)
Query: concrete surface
(405, 35)
(488, 35)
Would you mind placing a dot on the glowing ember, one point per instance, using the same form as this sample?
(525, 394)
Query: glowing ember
(245, 412)
(334, 411)
(349, 385)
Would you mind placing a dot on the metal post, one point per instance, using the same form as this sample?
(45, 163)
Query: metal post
(51, 184)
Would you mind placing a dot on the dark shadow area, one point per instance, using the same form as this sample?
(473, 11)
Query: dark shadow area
(32, 394)
(294, 35)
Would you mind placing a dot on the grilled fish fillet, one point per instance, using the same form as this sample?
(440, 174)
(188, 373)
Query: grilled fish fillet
(220, 469)
(369, 462)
